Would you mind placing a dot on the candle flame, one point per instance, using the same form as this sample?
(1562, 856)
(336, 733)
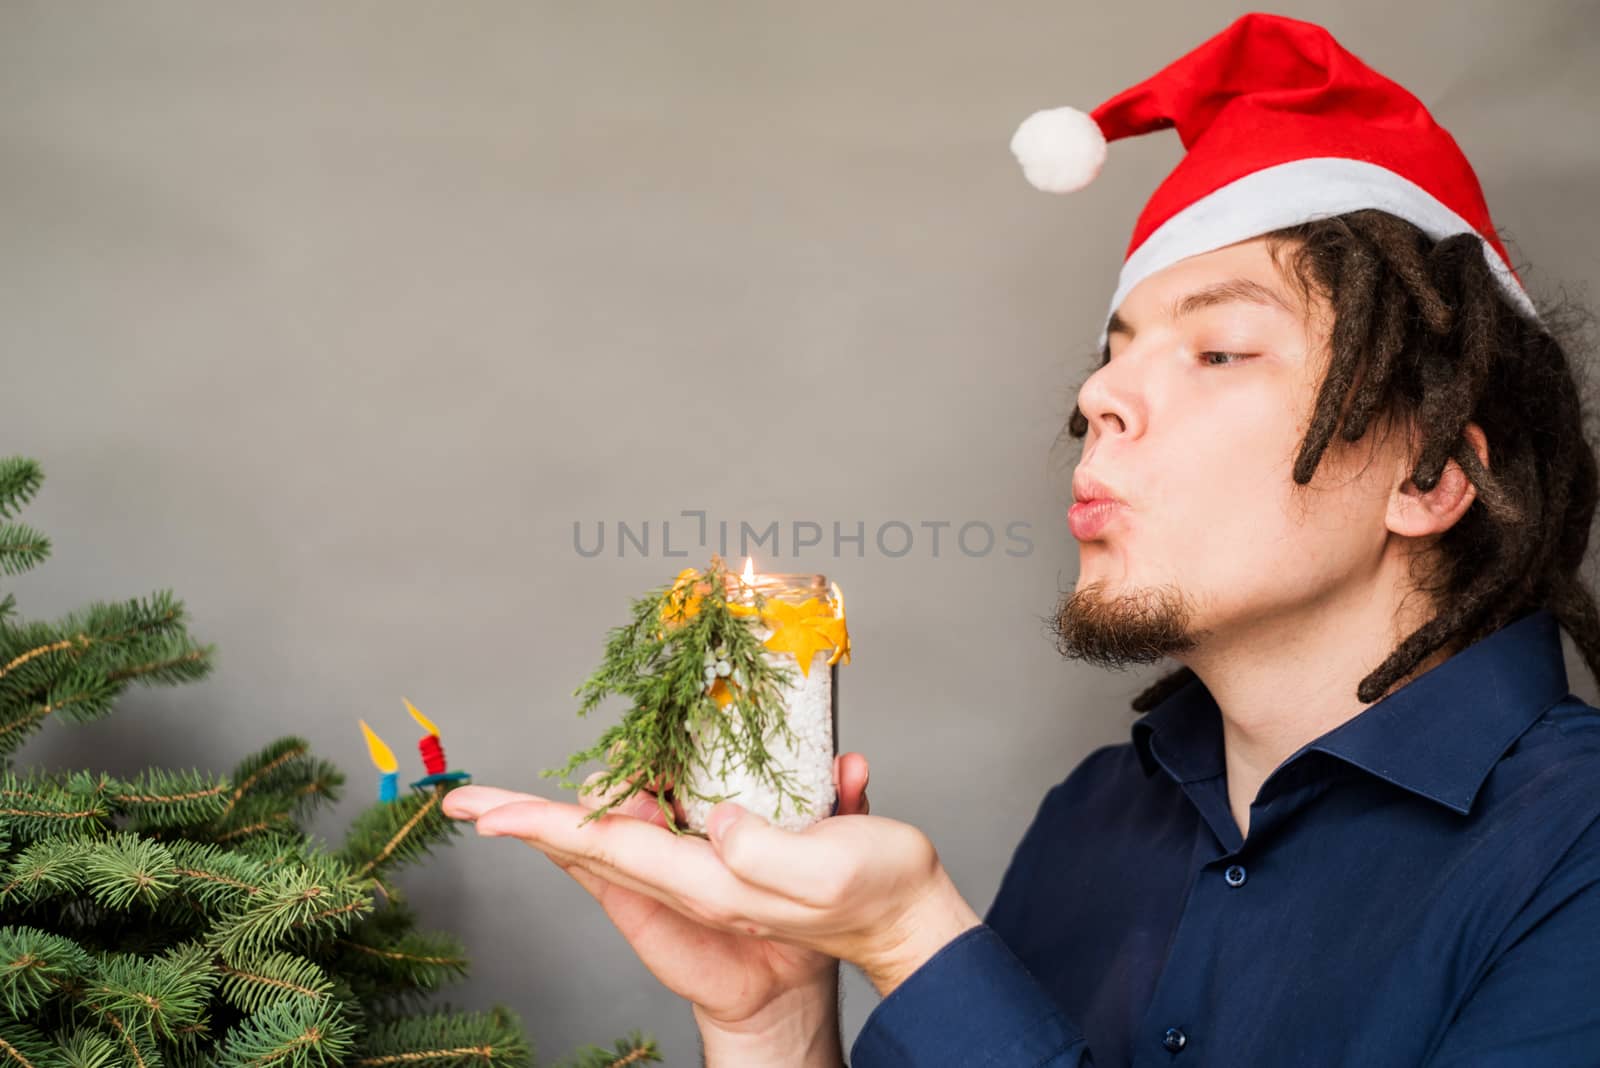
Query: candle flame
(749, 571)
(427, 724)
(382, 755)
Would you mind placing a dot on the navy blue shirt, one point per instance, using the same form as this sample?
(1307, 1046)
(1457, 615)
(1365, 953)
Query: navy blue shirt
(1420, 886)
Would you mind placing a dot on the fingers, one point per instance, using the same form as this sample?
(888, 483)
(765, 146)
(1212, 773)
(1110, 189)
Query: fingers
(683, 873)
(794, 865)
(599, 879)
(470, 802)
(622, 845)
(850, 779)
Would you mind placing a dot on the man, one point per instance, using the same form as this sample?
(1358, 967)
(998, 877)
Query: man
(1334, 465)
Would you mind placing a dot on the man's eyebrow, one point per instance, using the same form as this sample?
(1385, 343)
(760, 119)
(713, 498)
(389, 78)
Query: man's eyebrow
(1233, 290)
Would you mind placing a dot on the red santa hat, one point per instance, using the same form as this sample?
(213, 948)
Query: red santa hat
(1280, 125)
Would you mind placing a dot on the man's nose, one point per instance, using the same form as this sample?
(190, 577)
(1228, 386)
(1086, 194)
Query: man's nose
(1107, 403)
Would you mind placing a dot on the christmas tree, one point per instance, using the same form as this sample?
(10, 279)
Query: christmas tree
(184, 918)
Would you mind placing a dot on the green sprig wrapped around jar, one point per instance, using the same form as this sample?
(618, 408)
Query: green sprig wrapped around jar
(732, 682)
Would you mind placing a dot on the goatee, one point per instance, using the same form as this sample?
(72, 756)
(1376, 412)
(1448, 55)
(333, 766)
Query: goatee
(1117, 630)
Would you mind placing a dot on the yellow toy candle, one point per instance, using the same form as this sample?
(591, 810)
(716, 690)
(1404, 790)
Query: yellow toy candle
(383, 758)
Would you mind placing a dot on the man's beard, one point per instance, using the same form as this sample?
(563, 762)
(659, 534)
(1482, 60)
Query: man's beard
(1117, 630)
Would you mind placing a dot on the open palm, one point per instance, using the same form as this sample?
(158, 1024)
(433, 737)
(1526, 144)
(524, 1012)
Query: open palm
(729, 976)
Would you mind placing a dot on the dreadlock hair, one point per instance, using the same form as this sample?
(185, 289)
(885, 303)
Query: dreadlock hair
(1424, 336)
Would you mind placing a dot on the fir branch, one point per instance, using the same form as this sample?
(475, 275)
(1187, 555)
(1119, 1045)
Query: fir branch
(88, 1048)
(216, 877)
(276, 813)
(35, 965)
(120, 639)
(20, 479)
(126, 868)
(140, 1048)
(269, 818)
(46, 869)
(276, 788)
(22, 1046)
(47, 644)
(190, 1045)
(21, 548)
(80, 699)
(386, 958)
(446, 1039)
(275, 976)
(290, 1032)
(159, 799)
(430, 951)
(83, 693)
(153, 996)
(635, 1049)
(357, 954)
(294, 902)
(166, 662)
(275, 823)
(257, 769)
(658, 661)
(40, 806)
(398, 831)
(354, 1009)
(102, 649)
(165, 788)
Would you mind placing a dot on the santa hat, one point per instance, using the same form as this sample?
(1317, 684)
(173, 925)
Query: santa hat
(1281, 125)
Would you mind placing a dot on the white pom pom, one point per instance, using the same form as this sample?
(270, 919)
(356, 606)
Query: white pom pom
(1060, 149)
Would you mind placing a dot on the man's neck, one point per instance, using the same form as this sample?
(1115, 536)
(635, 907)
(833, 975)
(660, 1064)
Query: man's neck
(1290, 681)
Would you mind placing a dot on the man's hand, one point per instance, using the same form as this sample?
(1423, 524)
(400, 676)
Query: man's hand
(735, 923)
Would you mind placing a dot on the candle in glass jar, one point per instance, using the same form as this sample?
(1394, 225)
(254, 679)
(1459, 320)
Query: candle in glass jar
(810, 705)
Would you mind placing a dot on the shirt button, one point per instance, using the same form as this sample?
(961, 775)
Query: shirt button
(1174, 1039)
(1234, 875)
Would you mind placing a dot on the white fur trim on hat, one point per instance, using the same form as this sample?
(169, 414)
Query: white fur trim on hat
(1060, 149)
(1295, 192)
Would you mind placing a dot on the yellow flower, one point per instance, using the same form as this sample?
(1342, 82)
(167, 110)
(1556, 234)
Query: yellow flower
(802, 630)
(805, 630)
(833, 628)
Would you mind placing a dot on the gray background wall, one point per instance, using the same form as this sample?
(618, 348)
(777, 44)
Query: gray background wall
(335, 318)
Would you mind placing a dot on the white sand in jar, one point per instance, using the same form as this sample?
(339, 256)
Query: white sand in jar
(809, 755)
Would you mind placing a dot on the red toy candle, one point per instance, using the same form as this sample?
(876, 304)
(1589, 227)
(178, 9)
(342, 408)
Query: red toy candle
(429, 746)
(432, 754)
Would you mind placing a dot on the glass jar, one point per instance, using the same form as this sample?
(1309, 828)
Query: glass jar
(811, 705)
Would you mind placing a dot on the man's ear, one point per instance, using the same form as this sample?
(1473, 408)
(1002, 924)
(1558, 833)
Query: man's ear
(1419, 513)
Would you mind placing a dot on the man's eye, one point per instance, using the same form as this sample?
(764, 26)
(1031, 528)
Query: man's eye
(1235, 357)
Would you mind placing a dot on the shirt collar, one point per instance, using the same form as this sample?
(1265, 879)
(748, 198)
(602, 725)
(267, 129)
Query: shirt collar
(1437, 736)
